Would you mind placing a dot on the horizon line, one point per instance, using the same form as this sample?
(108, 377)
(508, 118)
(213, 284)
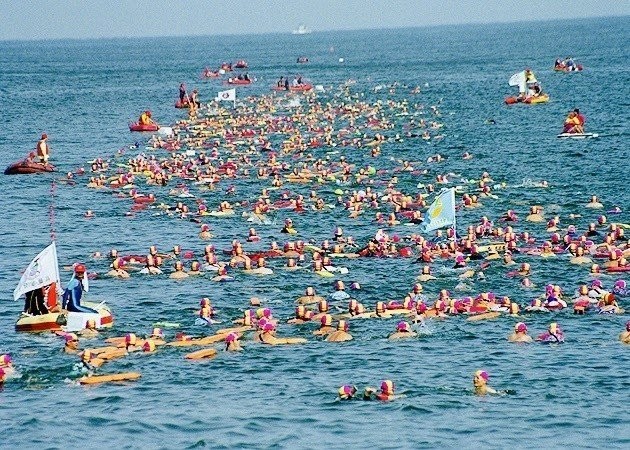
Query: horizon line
(289, 32)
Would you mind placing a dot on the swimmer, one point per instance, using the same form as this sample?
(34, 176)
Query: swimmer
(554, 334)
(520, 334)
(90, 330)
(179, 272)
(117, 269)
(341, 334)
(624, 336)
(325, 326)
(71, 343)
(347, 392)
(403, 331)
(480, 383)
(6, 365)
(232, 343)
(310, 296)
(594, 203)
(387, 391)
(340, 292)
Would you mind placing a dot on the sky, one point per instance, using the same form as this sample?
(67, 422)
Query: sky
(83, 19)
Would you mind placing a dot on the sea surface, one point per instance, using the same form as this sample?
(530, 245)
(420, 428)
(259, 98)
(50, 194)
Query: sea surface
(84, 92)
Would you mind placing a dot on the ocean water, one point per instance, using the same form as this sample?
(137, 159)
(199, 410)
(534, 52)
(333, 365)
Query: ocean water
(83, 93)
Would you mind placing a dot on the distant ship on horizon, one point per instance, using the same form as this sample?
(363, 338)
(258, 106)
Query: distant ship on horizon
(302, 30)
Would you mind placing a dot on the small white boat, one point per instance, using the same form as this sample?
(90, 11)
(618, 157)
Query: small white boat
(302, 30)
(578, 135)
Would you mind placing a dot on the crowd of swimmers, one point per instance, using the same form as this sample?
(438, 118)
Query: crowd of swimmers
(281, 154)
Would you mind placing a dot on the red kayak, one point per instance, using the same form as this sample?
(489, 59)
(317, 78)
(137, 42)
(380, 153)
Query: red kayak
(299, 88)
(238, 81)
(27, 166)
(135, 126)
(241, 64)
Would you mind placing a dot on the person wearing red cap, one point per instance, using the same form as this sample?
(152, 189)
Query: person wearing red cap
(480, 383)
(74, 291)
(43, 150)
(520, 334)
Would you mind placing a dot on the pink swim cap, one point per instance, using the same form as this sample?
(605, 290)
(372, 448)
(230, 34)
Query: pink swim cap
(521, 327)
(268, 327)
(483, 374)
(231, 337)
(6, 359)
(402, 326)
(387, 387)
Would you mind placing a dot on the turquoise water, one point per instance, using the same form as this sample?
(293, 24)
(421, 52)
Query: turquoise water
(83, 93)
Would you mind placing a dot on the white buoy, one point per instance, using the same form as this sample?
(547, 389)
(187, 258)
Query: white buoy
(340, 60)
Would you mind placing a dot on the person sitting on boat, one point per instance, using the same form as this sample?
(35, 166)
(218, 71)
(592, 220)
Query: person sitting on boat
(580, 117)
(572, 124)
(43, 151)
(569, 63)
(535, 90)
(299, 81)
(145, 118)
(294, 83)
(74, 291)
(34, 303)
(280, 82)
(286, 83)
(559, 64)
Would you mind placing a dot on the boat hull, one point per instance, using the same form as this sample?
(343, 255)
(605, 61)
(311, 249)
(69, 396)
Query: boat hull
(54, 321)
(26, 167)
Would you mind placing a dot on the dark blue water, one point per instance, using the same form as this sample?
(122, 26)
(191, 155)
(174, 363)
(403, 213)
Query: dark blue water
(83, 93)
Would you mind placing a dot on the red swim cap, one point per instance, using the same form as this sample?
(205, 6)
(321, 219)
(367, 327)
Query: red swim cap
(79, 268)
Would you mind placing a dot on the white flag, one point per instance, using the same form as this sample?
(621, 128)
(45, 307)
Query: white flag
(230, 95)
(441, 213)
(42, 271)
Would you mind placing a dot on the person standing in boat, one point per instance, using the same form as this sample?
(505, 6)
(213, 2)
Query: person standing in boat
(43, 150)
(182, 93)
(74, 291)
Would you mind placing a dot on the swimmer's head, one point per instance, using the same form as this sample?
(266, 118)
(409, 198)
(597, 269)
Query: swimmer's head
(520, 327)
(157, 333)
(90, 324)
(481, 378)
(343, 326)
(346, 392)
(554, 328)
(130, 339)
(403, 327)
(326, 320)
(323, 306)
(148, 346)
(86, 356)
(387, 387)
(5, 360)
(628, 325)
